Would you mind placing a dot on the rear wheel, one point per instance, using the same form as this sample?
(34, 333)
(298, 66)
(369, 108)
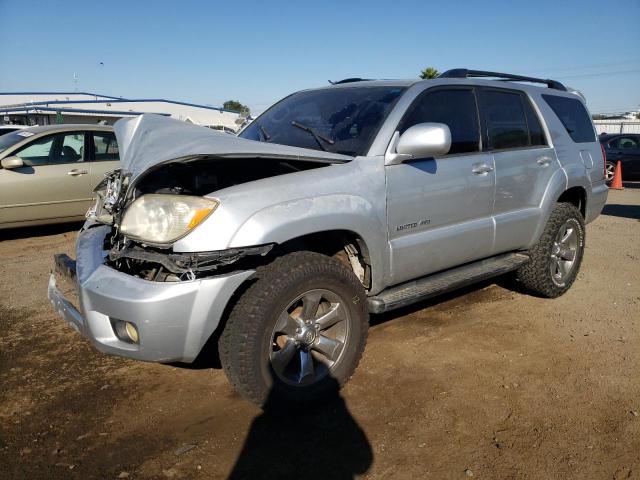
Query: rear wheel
(556, 258)
(298, 332)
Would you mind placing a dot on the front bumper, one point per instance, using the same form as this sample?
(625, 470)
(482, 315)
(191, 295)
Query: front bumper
(174, 319)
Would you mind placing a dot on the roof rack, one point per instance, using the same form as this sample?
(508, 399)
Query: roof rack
(465, 73)
(349, 80)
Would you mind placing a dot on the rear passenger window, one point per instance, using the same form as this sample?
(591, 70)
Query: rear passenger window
(456, 108)
(506, 121)
(574, 117)
(105, 146)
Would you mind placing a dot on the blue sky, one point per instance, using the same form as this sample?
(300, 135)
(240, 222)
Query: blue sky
(257, 52)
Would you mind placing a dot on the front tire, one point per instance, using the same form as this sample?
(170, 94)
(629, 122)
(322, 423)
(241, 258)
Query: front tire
(609, 172)
(297, 333)
(556, 258)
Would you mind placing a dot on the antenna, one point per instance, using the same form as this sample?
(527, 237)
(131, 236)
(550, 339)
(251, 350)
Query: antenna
(75, 81)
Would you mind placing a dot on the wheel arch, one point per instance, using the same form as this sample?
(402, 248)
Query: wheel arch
(340, 243)
(319, 224)
(576, 196)
(564, 186)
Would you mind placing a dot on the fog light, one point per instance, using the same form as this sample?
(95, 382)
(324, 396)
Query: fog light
(125, 331)
(132, 332)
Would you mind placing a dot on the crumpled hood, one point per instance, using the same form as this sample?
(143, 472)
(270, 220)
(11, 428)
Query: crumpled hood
(149, 140)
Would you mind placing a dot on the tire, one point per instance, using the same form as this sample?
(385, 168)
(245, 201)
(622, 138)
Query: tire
(549, 255)
(610, 169)
(268, 321)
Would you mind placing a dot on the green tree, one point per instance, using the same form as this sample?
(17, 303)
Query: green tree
(429, 72)
(236, 106)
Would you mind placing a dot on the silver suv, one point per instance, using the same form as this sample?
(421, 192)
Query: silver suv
(337, 202)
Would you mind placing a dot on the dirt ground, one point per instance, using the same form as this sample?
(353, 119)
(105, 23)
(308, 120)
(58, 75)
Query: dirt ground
(486, 382)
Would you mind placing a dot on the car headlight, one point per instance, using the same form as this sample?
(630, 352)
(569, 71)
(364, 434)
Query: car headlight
(162, 219)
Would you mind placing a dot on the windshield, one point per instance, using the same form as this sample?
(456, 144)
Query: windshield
(338, 120)
(9, 139)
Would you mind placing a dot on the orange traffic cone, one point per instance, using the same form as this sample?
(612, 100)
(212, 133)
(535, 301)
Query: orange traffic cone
(616, 183)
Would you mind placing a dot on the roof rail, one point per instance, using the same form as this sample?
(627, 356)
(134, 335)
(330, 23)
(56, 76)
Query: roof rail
(349, 80)
(465, 73)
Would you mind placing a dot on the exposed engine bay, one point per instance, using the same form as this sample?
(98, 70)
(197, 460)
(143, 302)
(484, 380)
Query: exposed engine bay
(194, 177)
(207, 175)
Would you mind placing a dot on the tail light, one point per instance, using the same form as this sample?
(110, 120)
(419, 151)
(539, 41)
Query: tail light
(604, 162)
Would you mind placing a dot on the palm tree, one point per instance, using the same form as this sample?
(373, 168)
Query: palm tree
(429, 72)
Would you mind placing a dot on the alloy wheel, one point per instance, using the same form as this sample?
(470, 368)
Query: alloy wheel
(309, 337)
(610, 170)
(564, 251)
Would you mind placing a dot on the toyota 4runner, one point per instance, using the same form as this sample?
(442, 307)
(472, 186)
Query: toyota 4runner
(335, 203)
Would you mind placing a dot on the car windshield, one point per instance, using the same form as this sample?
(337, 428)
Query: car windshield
(338, 120)
(9, 139)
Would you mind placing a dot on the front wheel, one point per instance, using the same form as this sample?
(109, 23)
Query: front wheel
(609, 172)
(556, 258)
(298, 332)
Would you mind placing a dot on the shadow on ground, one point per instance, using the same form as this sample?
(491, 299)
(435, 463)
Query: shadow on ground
(624, 211)
(315, 442)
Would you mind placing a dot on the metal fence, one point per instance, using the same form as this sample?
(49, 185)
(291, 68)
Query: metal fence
(617, 126)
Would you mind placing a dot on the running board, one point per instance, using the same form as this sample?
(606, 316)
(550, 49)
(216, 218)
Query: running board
(438, 283)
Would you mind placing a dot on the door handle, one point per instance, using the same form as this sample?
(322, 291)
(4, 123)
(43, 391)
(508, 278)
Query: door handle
(543, 161)
(481, 168)
(76, 172)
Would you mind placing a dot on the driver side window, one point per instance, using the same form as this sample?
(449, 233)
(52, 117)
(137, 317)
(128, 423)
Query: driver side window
(456, 108)
(53, 150)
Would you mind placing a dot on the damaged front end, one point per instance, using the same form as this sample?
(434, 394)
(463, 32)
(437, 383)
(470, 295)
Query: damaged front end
(129, 316)
(190, 177)
(136, 293)
(110, 197)
(180, 180)
(162, 266)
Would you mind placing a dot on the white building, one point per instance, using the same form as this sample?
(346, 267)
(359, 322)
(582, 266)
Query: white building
(44, 108)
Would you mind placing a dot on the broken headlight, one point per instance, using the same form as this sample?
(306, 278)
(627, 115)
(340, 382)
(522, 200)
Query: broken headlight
(107, 194)
(161, 219)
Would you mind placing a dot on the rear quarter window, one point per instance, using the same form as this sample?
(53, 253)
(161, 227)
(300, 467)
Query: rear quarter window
(574, 117)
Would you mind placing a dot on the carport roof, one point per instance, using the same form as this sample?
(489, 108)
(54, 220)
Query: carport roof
(107, 99)
(79, 111)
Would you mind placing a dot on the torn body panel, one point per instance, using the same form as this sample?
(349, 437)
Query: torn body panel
(158, 265)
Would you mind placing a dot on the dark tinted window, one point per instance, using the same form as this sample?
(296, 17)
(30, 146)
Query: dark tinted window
(10, 139)
(573, 116)
(456, 109)
(506, 122)
(8, 130)
(341, 120)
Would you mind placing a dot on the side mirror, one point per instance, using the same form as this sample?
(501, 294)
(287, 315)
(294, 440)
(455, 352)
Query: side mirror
(420, 141)
(10, 163)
